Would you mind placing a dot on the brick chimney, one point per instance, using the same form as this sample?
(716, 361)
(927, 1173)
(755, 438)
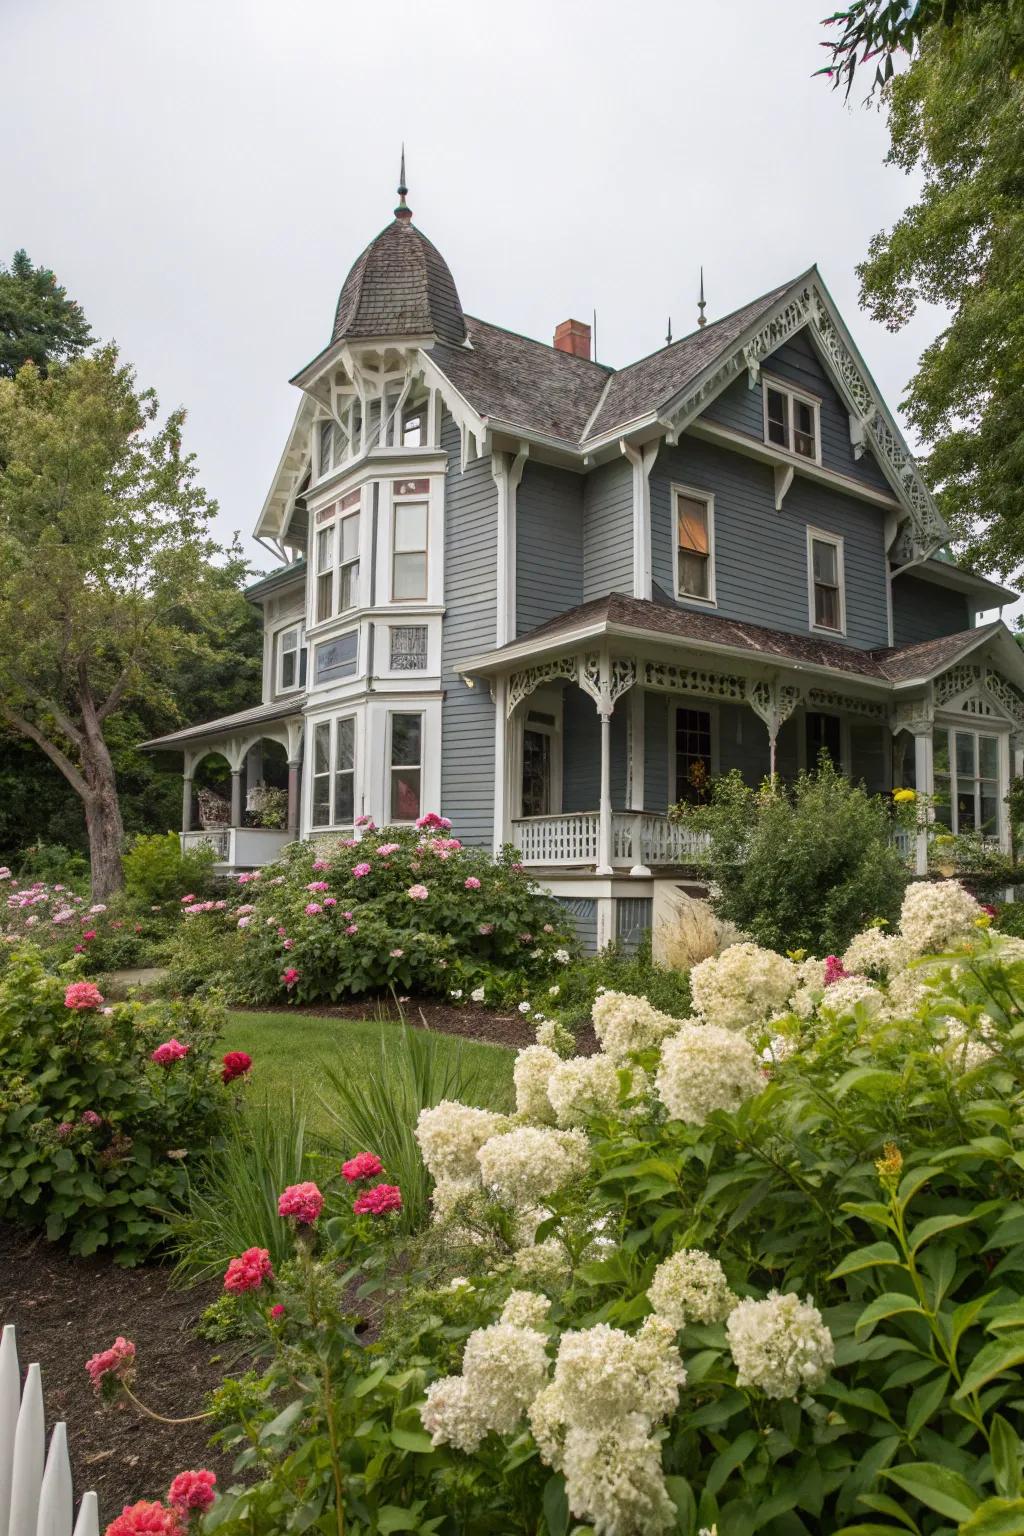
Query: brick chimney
(573, 336)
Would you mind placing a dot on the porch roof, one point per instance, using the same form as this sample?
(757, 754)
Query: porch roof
(227, 725)
(621, 616)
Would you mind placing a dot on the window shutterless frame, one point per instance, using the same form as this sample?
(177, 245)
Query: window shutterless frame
(693, 519)
(291, 658)
(826, 582)
(792, 419)
(405, 764)
(333, 772)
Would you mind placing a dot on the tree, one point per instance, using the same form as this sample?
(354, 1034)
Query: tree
(881, 29)
(38, 322)
(957, 116)
(104, 568)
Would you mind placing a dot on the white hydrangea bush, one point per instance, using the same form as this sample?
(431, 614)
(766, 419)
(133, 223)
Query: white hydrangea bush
(937, 915)
(690, 1287)
(451, 1134)
(743, 986)
(704, 1068)
(779, 1345)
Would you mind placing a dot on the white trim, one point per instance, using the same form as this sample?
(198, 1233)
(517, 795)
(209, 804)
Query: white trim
(548, 701)
(507, 470)
(791, 392)
(836, 540)
(999, 732)
(768, 453)
(332, 722)
(277, 656)
(708, 498)
(642, 462)
(404, 708)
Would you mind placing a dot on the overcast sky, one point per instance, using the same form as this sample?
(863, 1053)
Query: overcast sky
(201, 174)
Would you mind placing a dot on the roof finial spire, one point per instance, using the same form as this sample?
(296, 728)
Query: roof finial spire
(402, 211)
(701, 305)
(668, 333)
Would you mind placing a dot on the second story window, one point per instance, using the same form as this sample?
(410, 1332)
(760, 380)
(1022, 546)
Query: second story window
(825, 581)
(324, 574)
(695, 540)
(412, 428)
(409, 552)
(336, 659)
(348, 562)
(291, 659)
(791, 420)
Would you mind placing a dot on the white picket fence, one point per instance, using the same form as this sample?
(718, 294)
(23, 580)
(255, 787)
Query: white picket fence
(35, 1486)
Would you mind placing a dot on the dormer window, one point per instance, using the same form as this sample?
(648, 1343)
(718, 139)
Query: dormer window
(291, 659)
(791, 420)
(695, 544)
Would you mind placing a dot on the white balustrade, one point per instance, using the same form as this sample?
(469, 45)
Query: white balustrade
(568, 839)
(35, 1486)
(638, 837)
(241, 847)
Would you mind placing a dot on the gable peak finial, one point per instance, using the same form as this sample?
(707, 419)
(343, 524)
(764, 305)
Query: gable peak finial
(403, 211)
(701, 305)
(668, 333)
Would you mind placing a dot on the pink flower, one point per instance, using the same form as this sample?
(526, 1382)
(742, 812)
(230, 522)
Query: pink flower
(186, 899)
(192, 1490)
(417, 893)
(433, 823)
(277, 1310)
(318, 885)
(65, 1129)
(365, 1165)
(291, 975)
(486, 928)
(171, 1051)
(312, 908)
(359, 870)
(91, 1118)
(88, 937)
(834, 970)
(281, 932)
(988, 909)
(387, 849)
(82, 995)
(146, 1518)
(248, 1272)
(330, 901)
(352, 929)
(366, 822)
(321, 864)
(378, 1200)
(117, 1363)
(289, 944)
(471, 883)
(236, 1064)
(303, 1202)
(396, 954)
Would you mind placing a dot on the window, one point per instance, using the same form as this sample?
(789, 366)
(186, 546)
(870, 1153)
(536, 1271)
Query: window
(336, 658)
(825, 581)
(291, 659)
(791, 421)
(693, 754)
(406, 766)
(408, 651)
(538, 741)
(324, 574)
(412, 428)
(326, 446)
(823, 735)
(328, 811)
(348, 562)
(409, 552)
(966, 772)
(695, 536)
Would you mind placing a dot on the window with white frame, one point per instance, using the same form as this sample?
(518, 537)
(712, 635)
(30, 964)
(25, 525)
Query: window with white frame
(324, 574)
(348, 562)
(791, 420)
(291, 659)
(409, 548)
(334, 769)
(406, 766)
(325, 457)
(337, 659)
(825, 581)
(966, 776)
(414, 426)
(695, 544)
(408, 647)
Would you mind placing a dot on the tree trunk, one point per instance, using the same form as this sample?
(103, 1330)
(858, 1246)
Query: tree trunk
(103, 821)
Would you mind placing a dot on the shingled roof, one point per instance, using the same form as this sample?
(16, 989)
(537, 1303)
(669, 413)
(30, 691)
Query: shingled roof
(400, 286)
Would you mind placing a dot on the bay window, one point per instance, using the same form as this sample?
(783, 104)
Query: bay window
(336, 659)
(324, 574)
(406, 766)
(334, 772)
(348, 562)
(966, 770)
(409, 551)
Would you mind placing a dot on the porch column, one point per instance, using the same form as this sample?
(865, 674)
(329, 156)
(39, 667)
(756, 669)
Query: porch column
(924, 779)
(636, 780)
(237, 795)
(1006, 756)
(502, 819)
(294, 782)
(186, 803)
(604, 818)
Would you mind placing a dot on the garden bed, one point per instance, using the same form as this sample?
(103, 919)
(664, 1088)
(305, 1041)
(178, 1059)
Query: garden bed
(65, 1309)
(470, 1022)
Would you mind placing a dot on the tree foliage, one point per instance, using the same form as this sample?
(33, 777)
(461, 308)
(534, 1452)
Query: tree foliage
(957, 117)
(880, 29)
(38, 322)
(106, 584)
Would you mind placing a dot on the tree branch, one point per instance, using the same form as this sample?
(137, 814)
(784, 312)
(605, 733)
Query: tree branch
(56, 756)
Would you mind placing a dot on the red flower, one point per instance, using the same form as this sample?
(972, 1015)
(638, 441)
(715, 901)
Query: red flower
(378, 1200)
(192, 1490)
(834, 970)
(366, 1165)
(277, 1310)
(290, 976)
(248, 1272)
(303, 1202)
(171, 1051)
(236, 1064)
(117, 1362)
(147, 1518)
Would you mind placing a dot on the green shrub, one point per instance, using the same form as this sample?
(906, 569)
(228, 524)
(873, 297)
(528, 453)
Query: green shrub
(571, 997)
(52, 863)
(94, 1134)
(98, 938)
(804, 866)
(407, 910)
(156, 870)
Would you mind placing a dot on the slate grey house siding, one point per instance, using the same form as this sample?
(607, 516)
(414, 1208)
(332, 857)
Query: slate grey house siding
(742, 742)
(923, 611)
(761, 554)
(608, 530)
(583, 911)
(549, 545)
(581, 753)
(656, 708)
(470, 595)
(796, 362)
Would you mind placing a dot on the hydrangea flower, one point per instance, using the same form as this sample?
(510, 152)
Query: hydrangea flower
(531, 1163)
(704, 1068)
(690, 1287)
(171, 1051)
(471, 883)
(743, 985)
(449, 1136)
(531, 1075)
(417, 893)
(82, 995)
(624, 1024)
(780, 1345)
(937, 915)
(360, 870)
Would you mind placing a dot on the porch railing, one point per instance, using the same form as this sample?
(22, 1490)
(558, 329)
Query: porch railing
(568, 839)
(240, 847)
(638, 838)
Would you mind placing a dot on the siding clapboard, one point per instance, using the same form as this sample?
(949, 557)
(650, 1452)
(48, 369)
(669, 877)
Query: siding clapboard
(608, 530)
(470, 595)
(549, 545)
(583, 911)
(581, 753)
(922, 610)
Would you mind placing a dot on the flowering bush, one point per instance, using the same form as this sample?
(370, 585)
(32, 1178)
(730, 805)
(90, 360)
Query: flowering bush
(100, 1106)
(410, 909)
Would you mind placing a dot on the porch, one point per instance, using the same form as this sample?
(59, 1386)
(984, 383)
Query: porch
(239, 847)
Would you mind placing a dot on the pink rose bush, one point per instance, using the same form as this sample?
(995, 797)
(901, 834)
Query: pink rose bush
(378, 1200)
(171, 1051)
(109, 1366)
(147, 1518)
(191, 1491)
(82, 995)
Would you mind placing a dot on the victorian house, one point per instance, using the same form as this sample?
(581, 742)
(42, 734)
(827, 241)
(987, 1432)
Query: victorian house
(551, 598)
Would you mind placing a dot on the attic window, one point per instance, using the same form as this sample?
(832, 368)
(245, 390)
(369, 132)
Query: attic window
(791, 420)
(412, 429)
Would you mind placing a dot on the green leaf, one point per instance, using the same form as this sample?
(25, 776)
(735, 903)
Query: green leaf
(1006, 1317)
(911, 1182)
(876, 1255)
(932, 1226)
(411, 1440)
(867, 1080)
(992, 1360)
(391, 1518)
(996, 1517)
(732, 1457)
(555, 1506)
(925, 1402)
(681, 1494)
(1004, 1443)
(883, 1505)
(889, 1304)
(285, 1419)
(936, 1488)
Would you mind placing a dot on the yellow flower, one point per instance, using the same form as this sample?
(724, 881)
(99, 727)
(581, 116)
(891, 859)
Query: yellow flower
(903, 796)
(890, 1166)
(984, 921)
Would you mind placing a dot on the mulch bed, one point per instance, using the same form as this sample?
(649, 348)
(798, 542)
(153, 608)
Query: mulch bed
(65, 1309)
(471, 1022)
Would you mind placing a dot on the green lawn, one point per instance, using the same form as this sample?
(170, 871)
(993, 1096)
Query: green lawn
(289, 1049)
